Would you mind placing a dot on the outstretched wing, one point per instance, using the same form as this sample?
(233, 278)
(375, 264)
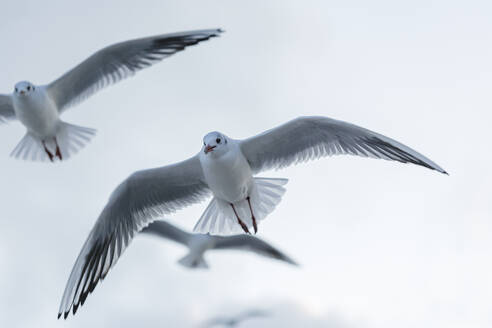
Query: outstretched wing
(6, 108)
(134, 204)
(119, 61)
(307, 138)
(252, 244)
(167, 230)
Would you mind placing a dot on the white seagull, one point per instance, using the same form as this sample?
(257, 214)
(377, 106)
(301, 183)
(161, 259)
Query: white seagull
(198, 244)
(224, 168)
(39, 107)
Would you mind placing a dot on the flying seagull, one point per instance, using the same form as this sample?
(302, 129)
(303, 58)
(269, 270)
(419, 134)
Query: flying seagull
(39, 107)
(223, 168)
(235, 321)
(198, 244)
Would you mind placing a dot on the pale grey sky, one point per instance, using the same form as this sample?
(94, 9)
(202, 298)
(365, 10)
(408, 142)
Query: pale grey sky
(381, 244)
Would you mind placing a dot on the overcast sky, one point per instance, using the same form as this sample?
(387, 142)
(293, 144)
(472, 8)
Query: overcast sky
(381, 244)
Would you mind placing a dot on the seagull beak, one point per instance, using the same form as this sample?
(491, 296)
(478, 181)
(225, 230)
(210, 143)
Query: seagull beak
(209, 148)
(22, 92)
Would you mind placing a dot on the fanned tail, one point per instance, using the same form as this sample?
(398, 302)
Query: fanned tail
(70, 138)
(29, 148)
(219, 218)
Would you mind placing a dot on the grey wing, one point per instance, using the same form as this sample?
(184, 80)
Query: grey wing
(119, 61)
(135, 203)
(307, 138)
(6, 108)
(166, 230)
(252, 244)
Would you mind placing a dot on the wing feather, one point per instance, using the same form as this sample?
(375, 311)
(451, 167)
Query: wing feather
(167, 230)
(308, 138)
(119, 61)
(6, 108)
(252, 244)
(134, 204)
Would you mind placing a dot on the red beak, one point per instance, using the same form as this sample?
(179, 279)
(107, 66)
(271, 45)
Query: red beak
(209, 148)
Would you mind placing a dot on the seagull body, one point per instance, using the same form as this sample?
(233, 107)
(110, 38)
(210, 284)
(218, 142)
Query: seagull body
(38, 108)
(225, 168)
(228, 174)
(199, 244)
(37, 111)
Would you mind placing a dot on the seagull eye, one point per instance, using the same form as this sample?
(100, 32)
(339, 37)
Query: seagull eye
(16, 90)
(28, 88)
(217, 140)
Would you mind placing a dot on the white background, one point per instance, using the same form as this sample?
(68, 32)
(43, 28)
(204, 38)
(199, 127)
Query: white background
(381, 244)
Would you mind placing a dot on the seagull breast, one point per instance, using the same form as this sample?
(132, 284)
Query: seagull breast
(229, 176)
(37, 112)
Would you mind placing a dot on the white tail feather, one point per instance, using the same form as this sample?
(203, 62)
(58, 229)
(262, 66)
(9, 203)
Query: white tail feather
(219, 218)
(71, 138)
(192, 261)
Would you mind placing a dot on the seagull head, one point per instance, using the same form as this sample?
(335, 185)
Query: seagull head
(215, 144)
(24, 88)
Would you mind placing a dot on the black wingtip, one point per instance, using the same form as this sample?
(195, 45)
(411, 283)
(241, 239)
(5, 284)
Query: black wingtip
(290, 261)
(294, 263)
(74, 308)
(59, 315)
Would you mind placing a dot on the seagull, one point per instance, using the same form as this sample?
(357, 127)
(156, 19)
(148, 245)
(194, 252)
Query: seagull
(198, 244)
(235, 321)
(224, 168)
(38, 107)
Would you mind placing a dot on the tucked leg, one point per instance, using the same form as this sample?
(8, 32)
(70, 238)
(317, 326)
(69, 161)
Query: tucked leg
(252, 215)
(50, 155)
(241, 223)
(58, 152)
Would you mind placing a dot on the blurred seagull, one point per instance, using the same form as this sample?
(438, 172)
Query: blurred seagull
(223, 168)
(235, 321)
(198, 244)
(39, 107)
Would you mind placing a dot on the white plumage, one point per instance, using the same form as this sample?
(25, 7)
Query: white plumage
(38, 108)
(224, 168)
